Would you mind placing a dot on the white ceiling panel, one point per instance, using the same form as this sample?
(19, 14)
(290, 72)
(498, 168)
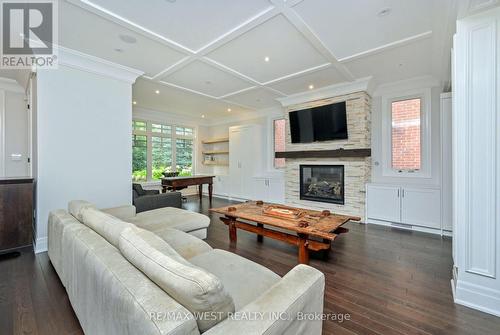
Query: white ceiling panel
(287, 49)
(192, 23)
(206, 79)
(400, 63)
(318, 79)
(86, 32)
(178, 101)
(257, 98)
(351, 27)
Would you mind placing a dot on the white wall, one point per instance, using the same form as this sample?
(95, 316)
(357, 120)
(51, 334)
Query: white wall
(14, 130)
(83, 141)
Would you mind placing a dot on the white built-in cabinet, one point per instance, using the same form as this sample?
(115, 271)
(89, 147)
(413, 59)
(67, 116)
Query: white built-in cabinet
(412, 206)
(270, 189)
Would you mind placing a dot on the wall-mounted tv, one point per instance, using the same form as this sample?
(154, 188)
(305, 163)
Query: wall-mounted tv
(323, 123)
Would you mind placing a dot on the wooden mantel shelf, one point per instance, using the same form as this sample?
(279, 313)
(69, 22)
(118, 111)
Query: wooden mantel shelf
(325, 153)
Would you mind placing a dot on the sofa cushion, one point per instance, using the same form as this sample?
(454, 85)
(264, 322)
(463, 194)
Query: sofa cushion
(243, 279)
(170, 217)
(104, 224)
(199, 291)
(185, 244)
(122, 212)
(75, 208)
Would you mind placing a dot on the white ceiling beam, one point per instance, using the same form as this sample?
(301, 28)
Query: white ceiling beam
(115, 18)
(294, 18)
(389, 46)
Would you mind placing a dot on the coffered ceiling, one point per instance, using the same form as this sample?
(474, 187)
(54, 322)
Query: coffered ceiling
(221, 57)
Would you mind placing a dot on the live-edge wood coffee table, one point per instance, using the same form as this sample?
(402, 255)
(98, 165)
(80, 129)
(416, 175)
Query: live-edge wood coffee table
(314, 230)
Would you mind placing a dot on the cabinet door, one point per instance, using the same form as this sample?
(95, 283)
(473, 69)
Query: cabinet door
(261, 189)
(234, 187)
(421, 207)
(220, 185)
(383, 203)
(276, 190)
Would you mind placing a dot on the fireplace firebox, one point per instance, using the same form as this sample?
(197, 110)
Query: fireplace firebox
(323, 183)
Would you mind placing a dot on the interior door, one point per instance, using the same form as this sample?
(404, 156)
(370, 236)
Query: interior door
(383, 203)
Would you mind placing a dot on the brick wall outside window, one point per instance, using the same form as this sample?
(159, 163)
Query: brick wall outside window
(406, 148)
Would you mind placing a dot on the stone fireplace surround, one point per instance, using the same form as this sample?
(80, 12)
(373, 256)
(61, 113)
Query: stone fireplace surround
(357, 170)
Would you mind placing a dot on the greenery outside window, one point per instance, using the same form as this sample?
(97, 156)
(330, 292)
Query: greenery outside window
(156, 148)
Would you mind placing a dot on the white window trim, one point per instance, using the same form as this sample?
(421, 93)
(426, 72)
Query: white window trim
(270, 144)
(149, 154)
(425, 136)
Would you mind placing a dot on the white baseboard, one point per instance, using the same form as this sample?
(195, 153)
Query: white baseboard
(41, 245)
(409, 227)
(478, 297)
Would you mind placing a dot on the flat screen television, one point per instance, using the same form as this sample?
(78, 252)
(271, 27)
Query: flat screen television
(323, 123)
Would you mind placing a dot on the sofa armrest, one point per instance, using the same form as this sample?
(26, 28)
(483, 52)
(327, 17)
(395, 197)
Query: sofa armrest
(281, 309)
(149, 202)
(121, 212)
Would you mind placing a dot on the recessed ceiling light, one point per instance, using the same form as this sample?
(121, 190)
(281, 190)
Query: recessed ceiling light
(202, 116)
(128, 39)
(157, 91)
(118, 50)
(311, 86)
(171, 1)
(258, 100)
(384, 12)
(208, 82)
(229, 109)
(266, 59)
(134, 102)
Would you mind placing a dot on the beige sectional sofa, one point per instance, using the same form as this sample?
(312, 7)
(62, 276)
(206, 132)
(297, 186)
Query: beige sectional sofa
(123, 279)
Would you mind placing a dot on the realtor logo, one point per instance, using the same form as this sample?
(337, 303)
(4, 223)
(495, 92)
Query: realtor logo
(29, 32)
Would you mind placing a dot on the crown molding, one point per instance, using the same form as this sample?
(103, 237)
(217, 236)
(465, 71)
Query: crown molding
(156, 115)
(407, 84)
(81, 61)
(363, 84)
(10, 85)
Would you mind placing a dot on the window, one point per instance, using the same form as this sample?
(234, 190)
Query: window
(161, 156)
(156, 148)
(184, 156)
(279, 141)
(139, 157)
(405, 134)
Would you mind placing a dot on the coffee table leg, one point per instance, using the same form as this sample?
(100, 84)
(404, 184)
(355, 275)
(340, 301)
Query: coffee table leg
(260, 238)
(233, 237)
(303, 249)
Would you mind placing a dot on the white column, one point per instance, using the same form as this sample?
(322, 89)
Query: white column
(476, 148)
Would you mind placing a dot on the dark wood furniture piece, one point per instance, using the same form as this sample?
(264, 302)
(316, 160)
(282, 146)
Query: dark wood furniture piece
(16, 213)
(309, 230)
(176, 183)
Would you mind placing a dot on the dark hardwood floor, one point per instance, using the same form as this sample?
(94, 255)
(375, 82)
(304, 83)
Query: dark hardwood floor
(389, 282)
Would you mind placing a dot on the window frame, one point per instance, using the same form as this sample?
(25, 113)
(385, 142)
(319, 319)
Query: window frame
(173, 136)
(270, 143)
(425, 133)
